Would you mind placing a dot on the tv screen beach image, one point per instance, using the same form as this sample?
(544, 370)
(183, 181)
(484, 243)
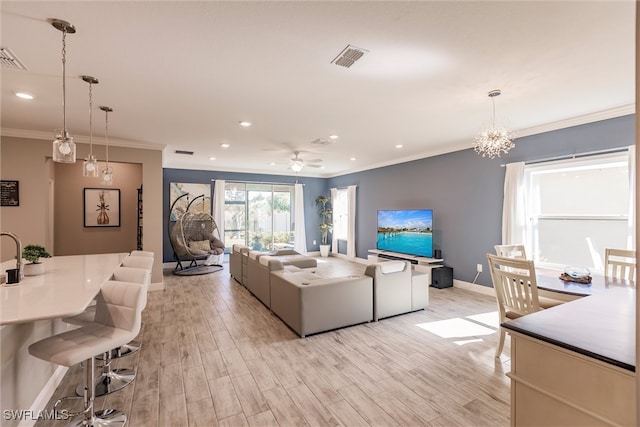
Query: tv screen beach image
(406, 231)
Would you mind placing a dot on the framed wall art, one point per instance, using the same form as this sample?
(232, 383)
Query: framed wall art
(101, 207)
(9, 193)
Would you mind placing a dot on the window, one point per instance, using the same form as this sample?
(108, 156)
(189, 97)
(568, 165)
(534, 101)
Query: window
(341, 214)
(258, 215)
(576, 209)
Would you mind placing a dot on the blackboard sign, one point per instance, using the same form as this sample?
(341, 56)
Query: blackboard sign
(9, 194)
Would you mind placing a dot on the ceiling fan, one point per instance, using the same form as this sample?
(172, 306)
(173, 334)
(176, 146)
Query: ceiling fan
(296, 163)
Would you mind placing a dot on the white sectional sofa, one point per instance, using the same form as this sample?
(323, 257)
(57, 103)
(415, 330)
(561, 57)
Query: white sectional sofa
(397, 289)
(310, 304)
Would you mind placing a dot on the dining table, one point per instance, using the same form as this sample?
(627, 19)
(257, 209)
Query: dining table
(551, 285)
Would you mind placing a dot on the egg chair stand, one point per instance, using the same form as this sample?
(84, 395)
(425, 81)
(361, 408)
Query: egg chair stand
(195, 240)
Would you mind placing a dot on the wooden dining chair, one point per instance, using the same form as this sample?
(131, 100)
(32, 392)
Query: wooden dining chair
(511, 251)
(514, 281)
(620, 263)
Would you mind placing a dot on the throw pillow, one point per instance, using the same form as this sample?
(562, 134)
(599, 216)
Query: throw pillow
(200, 245)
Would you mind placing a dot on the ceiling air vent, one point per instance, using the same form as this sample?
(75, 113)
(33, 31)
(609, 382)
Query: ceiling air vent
(185, 152)
(349, 56)
(9, 60)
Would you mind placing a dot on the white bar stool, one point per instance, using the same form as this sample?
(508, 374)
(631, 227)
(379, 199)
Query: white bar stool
(118, 319)
(111, 380)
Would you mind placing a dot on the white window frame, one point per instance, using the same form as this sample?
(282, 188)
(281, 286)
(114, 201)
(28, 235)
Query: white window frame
(571, 165)
(341, 214)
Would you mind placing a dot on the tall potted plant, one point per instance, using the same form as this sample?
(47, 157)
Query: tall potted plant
(325, 224)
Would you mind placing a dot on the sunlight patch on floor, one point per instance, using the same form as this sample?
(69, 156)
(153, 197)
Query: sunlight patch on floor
(456, 328)
(490, 319)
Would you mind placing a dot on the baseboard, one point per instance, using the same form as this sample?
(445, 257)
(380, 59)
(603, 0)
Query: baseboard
(485, 290)
(40, 403)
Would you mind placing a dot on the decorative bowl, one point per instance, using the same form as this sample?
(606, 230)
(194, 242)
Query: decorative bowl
(577, 272)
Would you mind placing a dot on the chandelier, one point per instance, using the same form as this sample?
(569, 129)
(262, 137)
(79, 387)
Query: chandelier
(107, 171)
(90, 164)
(64, 149)
(494, 140)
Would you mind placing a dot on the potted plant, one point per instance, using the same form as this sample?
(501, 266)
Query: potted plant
(325, 224)
(33, 253)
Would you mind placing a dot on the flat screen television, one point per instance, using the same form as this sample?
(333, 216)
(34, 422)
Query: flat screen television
(406, 232)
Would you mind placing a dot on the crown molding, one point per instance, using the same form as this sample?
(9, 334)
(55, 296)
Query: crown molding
(612, 113)
(34, 134)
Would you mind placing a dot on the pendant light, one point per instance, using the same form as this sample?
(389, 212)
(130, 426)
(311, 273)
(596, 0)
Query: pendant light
(107, 171)
(494, 140)
(90, 164)
(64, 149)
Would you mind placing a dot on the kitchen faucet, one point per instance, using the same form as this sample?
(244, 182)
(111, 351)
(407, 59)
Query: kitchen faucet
(18, 251)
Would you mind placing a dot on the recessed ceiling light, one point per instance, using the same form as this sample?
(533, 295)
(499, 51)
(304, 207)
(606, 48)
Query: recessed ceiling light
(333, 136)
(244, 123)
(399, 145)
(225, 145)
(352, 159)
(24, 95)
(212, 158)
(272, 163)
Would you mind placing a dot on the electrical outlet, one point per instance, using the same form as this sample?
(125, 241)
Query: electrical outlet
(314, 242)
(479, 268)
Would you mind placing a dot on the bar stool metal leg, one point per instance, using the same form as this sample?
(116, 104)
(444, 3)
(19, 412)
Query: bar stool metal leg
(109, 380)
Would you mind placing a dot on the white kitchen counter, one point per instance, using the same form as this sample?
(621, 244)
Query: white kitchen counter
(66, 288)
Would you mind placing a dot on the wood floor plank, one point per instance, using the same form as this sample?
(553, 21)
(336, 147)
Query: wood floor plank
(262, 374)
(195, 383)
(366, 407)
(283, 408)
(313, 411)
(146, 410)
(237, 420)
(201, 413)
(263, 419)
(225, 400)
(249, 395)
(171, 380)
(234, 362)
(173, 411)
(347, 416)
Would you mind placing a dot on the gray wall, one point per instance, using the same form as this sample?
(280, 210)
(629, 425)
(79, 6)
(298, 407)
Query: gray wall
(465, 191)
(313, 187)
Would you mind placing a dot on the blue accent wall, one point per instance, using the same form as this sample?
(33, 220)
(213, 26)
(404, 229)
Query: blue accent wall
(464, 190)
(313, 187)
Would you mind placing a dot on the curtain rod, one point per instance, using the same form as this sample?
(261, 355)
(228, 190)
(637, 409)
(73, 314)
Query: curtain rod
(344, 188)
(574, 156)
(260, 182)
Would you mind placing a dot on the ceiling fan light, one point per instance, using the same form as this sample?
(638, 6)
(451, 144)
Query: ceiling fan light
(296, 166)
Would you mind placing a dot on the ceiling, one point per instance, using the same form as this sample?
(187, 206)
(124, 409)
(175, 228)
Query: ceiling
(181, 75)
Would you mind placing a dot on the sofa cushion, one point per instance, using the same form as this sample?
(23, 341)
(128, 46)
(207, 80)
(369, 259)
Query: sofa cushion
(391, 266)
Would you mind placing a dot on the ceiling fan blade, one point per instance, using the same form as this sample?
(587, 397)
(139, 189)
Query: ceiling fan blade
(313, 161)
(307, 165)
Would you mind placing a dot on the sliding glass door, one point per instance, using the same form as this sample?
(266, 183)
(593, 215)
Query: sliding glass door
(259, 215)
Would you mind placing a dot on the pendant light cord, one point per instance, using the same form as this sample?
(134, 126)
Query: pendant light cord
(90, 119)
(64, 91)
(106, 134)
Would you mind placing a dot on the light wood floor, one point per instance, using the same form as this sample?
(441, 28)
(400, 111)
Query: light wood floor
(214, 355)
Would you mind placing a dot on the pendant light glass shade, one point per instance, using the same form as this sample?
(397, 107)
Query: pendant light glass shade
(90, 164)
(64, 149)
(107, 171)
